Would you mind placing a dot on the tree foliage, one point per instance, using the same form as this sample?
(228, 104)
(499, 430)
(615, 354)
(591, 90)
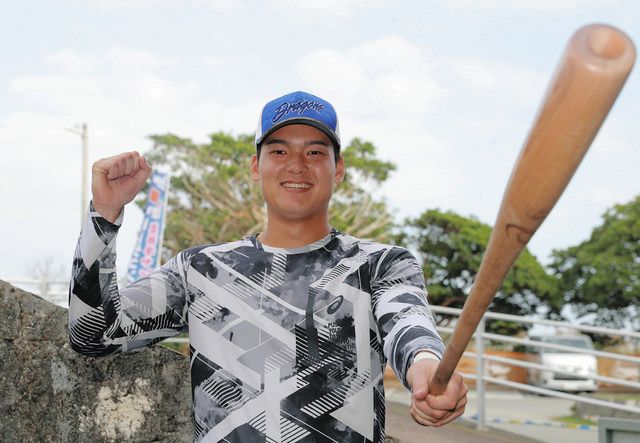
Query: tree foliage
(600, 277)
(214, 199)
(451, 247)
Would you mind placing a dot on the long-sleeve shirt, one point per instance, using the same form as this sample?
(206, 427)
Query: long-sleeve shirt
(285, 344)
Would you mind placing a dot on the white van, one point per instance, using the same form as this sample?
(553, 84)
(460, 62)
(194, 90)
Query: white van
(580, 366)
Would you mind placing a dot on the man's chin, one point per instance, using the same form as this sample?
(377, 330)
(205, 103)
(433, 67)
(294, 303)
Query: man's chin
(298, 214)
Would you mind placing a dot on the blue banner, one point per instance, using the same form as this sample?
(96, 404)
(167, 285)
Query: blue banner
(146, 256)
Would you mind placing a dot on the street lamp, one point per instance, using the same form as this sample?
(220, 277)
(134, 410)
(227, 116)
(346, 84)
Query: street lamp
(81, 130)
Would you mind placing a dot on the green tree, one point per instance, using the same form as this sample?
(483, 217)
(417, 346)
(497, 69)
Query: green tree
(600, 277)
(214, 199)
(353, 207)
(451, 248)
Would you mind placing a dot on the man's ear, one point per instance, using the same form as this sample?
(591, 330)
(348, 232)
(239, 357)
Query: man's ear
(339, 171)
(255, 173)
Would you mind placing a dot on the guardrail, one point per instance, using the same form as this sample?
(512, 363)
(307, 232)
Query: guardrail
(481, 378)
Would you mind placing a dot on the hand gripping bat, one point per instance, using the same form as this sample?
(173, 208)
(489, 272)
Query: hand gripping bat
(591, 73)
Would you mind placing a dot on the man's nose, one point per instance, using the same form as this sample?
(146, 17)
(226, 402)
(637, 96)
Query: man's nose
(296, 163)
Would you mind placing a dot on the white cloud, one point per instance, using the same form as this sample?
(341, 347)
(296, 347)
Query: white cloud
(311, 9)
(518, 82)
(239, 62)
(607, 144)
(227, 4)
(436, 118)
(540, 6)
(114, 59)
(385, 76)
(124, 88)
(604, 196)
(124, 96)
(116, 84)
(217, 4)
(384, 90)
(453, 126)
(70, 61)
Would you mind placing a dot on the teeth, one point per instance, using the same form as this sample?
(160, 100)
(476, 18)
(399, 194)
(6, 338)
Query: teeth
(297, 185)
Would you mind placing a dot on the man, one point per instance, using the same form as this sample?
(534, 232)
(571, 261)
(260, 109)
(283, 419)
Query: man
(289, 329)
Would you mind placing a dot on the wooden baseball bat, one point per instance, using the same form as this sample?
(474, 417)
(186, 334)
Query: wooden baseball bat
(591, 73)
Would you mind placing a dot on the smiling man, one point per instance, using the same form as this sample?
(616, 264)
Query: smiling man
(290, 328)
(297, 169)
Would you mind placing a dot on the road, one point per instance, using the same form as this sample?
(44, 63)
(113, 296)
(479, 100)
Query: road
(403, 429)
(501, 407)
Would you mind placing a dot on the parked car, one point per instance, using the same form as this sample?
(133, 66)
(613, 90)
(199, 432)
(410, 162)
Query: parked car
(579, 366)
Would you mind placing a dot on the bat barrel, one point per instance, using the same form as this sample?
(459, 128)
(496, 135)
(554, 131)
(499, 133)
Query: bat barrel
(603, 44)
(591, 73)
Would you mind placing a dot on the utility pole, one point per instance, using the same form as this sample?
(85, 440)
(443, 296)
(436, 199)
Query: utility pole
(85, 170)
(83, 132)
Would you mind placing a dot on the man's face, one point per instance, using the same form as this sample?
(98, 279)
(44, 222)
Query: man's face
(297, 171)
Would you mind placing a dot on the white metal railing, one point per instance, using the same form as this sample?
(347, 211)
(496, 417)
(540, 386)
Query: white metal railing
(559, 324)
(527, 364)
(481, 336)
(538, 344)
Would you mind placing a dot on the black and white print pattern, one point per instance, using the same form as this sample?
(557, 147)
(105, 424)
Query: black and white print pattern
(287, 345)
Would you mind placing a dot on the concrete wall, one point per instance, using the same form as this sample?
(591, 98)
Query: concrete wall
(48, 392)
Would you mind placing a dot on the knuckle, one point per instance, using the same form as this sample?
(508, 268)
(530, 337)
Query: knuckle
(450, 404)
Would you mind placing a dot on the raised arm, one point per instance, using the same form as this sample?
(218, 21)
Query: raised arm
(102, 319)
(115, 181)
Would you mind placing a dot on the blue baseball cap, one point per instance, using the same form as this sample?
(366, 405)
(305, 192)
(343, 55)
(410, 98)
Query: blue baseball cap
(302, 108)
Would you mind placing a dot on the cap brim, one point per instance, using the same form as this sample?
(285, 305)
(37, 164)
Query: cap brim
(301, 121)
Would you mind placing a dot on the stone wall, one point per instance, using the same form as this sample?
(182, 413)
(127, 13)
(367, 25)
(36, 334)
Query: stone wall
(48, 392)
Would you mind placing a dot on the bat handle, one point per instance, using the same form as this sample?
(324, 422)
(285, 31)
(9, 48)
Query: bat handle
(444, 371)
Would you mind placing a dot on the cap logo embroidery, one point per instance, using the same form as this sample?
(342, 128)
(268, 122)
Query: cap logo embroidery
(296, 107)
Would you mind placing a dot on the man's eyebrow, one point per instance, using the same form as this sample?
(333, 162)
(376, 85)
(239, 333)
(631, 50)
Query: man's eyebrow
(276, 141)
(316, 142)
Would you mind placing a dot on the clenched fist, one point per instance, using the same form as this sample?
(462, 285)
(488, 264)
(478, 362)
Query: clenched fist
(435, 410)
(115, 181)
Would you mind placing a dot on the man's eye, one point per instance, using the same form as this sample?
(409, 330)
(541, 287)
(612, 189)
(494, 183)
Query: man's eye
(316, 152)
(278, 151)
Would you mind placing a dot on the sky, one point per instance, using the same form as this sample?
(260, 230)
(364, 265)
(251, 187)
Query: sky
(446, 90)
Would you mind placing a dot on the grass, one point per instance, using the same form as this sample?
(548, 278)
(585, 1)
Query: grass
(575, 421)
(180, 348)
(616, 396)
(175, 347)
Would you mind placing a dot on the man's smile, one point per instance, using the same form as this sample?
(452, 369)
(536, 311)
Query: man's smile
(296, 185)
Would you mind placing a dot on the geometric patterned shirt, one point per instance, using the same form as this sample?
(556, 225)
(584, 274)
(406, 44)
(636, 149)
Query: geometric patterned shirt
(286, 345)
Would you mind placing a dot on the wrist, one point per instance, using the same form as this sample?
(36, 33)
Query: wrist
(424, 355)
(107, 213)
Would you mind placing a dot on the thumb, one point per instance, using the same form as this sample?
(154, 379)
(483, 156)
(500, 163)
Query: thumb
(145, 170)
(420, 386)
(144, 166)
